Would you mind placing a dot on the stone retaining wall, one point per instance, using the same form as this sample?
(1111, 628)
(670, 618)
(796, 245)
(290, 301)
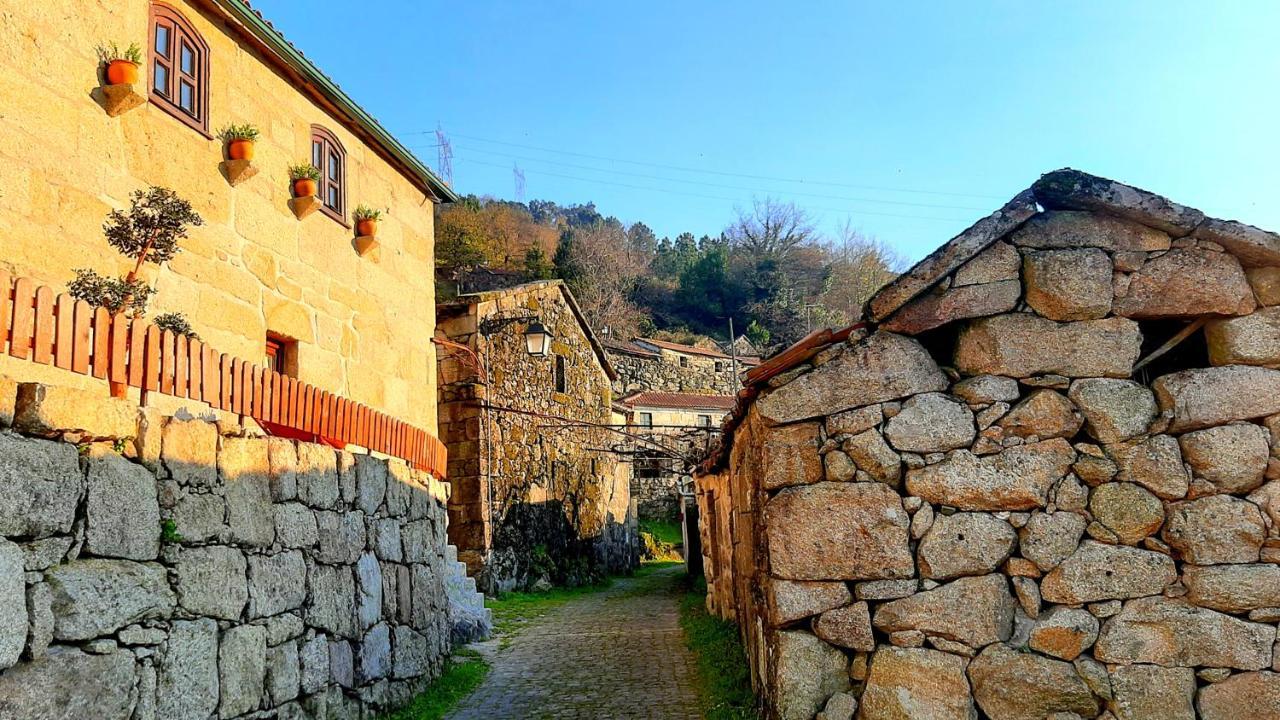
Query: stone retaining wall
(155, 567)
(997, 518)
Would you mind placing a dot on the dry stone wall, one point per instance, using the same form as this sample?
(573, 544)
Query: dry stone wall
(998, 518)
(172, 568)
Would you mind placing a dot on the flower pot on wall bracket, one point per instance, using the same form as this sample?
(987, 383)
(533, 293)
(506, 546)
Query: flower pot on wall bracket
(304, 187)
(240, 150)
(365, 245)
(304, 205)
(366, 227)
(237, 171)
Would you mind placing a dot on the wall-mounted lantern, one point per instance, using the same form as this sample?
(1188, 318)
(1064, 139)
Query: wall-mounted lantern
(538, 339)
(536, 336)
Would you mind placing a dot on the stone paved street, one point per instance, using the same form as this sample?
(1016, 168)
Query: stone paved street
(616, 655)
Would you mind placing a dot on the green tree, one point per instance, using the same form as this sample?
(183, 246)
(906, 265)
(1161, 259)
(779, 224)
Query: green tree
(536, 265)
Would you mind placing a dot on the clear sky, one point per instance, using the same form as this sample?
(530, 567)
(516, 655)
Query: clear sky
(911, 119)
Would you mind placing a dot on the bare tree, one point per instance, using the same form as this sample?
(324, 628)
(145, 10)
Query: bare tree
(612, 267)
(770, 229)
(860, 265)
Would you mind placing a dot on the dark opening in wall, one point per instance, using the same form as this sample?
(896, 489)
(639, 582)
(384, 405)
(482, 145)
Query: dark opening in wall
(941, 343)
(1191, 352)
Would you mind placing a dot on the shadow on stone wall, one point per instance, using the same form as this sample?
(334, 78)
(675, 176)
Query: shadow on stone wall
(535, 546)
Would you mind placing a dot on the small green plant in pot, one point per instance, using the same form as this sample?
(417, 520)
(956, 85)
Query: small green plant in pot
(239, 140)
(367, 220)
(122, 65)
(306, 179)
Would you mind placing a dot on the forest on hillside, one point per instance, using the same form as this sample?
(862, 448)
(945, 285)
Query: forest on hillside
(770, 269)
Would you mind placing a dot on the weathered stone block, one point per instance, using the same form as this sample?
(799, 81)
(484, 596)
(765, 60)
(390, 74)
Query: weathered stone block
(67, 683)
(879, 368)
(40, 617)
(241, 669)
(1250, 340)
(790, 456)
(1018, 478)
(50, 410)
(986, 389)
(341, 536)
(1114, 410)
(368, 590)
(1043, 414)
(375, 654)
(92, 597)
(1265, 282)
(931, 422)
(1064, 632)
(411, 653)
(189, 451)
(1259, 692)
(1097, 571)
(283, 673)
(1069, 189)
(211, 581)
(200, 517)
(314, 659)
(122, 514)
(848, 627)
(317, 475)
(1049, 538)
(1022, 345)
(946, 305)
(342, 663)
(1233, 588)
(296, 525)
(1215, 529)
(371, 478)
(331, 599)
(791, 600)
(1148, 692)
(1155, 464)
(1009, 685)
(1082, 229)
(965, 544)
(838, 531)
(245, 467)
(187, 686)
(43, 484)
(1205, 397)
(871, 454)
(975, 611)
(13, 604)
(807, 672)
(1232, 457)
(1068, 284)
(1000, 261)
(1254, 247)
(276, 583)
(282, 454)
(1127, 510)
(1187, 283)
(1171, 632)
(910, 683)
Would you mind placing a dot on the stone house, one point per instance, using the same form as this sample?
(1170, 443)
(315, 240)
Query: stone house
(645, 364)
(680, 428)
(1043, 480)
(354, 324)
(526, 411)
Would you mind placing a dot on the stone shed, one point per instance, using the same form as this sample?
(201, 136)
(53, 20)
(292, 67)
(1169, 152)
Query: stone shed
(1042, 481)
(539, 493)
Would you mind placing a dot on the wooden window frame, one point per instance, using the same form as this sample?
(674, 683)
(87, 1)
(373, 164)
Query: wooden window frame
(330, 145)
(645, 419)
(281, 354)
(180, 30)
(708, 420)
(684, 361)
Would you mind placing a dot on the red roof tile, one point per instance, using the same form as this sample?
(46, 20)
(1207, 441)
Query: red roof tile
(683, 401)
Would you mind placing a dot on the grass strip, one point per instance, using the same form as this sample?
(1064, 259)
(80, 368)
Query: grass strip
(463, 674)
(724, 678)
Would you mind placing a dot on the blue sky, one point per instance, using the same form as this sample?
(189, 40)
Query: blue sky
(910, 119)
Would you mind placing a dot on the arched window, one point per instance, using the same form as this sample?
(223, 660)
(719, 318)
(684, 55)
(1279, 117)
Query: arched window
(328, 155)
(179, 68)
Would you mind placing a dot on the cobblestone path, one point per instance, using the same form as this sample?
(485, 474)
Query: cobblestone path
(613, 655)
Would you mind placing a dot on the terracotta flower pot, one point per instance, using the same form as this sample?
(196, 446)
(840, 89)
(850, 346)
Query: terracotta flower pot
(304, 187)
(366, 228)
(120, 72)
(240, 149)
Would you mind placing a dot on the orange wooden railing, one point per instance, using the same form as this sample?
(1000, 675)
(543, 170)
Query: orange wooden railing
(58, 330)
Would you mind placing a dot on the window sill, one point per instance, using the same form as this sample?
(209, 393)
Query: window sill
(180, 116)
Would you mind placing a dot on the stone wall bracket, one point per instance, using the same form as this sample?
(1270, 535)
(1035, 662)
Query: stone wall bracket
(120, 99)
(237, 171)
(304, 206)
(366, 244)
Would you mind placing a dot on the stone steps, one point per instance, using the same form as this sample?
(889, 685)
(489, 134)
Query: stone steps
(470, 619)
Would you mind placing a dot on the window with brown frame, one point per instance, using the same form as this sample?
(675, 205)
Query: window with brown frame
(328, 155)
(282, 354)
(179, 68)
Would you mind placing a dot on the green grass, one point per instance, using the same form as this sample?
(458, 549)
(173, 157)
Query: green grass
(723, 674)
(463, 674)
(513, 610)
(667, 531)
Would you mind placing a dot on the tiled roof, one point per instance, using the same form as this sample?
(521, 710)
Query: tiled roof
(686, 349)
(628, 347)
(683, 401)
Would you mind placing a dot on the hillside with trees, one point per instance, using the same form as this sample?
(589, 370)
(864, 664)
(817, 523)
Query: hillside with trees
(770, 269)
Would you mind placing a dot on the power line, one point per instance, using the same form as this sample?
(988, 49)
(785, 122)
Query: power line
(700, 195)
(721, 172)
(727, 187)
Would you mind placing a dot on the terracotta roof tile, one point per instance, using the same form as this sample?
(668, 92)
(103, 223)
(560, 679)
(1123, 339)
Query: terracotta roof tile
(683, 401)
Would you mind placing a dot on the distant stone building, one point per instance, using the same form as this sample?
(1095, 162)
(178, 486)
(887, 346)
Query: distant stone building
(1041, 482)
(681, 427)
(538, 491)
(644, 364)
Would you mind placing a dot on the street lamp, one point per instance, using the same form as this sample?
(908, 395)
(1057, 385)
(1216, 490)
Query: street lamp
(537, 338)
